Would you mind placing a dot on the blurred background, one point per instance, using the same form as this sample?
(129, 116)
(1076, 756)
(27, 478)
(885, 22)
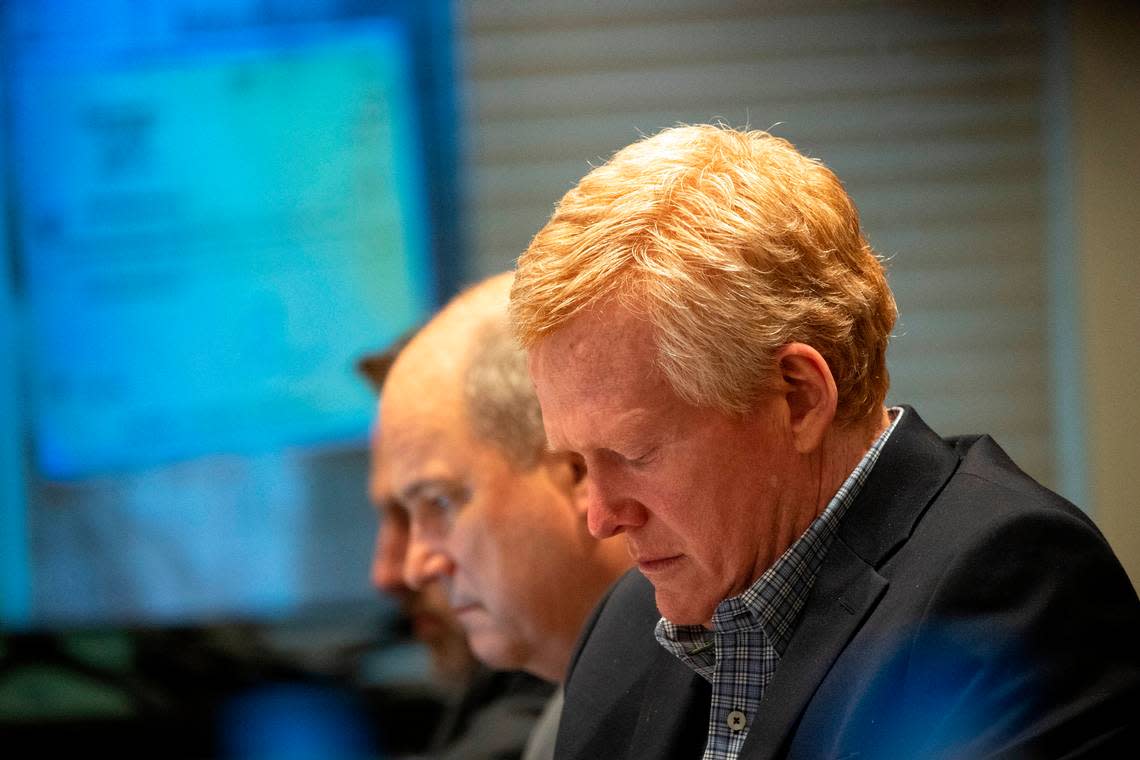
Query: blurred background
(213, 208)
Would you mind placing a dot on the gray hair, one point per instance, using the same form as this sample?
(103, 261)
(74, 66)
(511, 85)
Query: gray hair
(501, 404)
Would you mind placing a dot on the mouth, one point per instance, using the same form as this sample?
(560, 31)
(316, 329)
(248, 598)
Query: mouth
(658, 565)
(461, 607)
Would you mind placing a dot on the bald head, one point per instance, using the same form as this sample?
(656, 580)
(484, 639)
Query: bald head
(460, 457)
(467, 359)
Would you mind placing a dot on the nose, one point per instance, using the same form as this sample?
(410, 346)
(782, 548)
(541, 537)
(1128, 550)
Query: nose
(608, 512)
(426, 560)
(388, 557)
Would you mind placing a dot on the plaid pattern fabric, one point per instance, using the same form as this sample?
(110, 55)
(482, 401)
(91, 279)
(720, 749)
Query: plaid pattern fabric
(751, 631)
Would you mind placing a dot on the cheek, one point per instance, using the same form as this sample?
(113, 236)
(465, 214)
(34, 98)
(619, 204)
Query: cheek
(489, 550)
(673, 498)
(467, 544)
(532, 547)
(690, 513)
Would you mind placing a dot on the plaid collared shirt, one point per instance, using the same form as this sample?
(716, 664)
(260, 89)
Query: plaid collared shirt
(751, 631)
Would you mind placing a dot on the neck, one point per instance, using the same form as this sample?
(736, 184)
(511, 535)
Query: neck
(551, 665)
(842, 449)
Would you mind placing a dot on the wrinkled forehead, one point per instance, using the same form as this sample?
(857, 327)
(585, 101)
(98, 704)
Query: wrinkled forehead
(408, 446)
(420, 426)
(604, 352)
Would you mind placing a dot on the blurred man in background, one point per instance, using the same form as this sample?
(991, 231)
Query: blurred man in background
(475, 502)
(490, 714)
(425, 610)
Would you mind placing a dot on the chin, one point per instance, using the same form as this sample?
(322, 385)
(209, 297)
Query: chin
(685, 610)
(495, 650)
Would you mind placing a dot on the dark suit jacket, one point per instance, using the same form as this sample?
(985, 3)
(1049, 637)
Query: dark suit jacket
(963, 611)
(493, 719)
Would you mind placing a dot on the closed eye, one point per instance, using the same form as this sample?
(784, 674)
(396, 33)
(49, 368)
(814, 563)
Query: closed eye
(644, 459)
(635, 461)
(434, 504)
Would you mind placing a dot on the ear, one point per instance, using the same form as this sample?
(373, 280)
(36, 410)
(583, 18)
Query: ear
(569, 473)
(809, 390)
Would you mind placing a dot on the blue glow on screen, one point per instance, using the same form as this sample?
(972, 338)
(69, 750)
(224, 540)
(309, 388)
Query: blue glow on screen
(14, 577)
(213, 209)
(209, 235)
(295, 721)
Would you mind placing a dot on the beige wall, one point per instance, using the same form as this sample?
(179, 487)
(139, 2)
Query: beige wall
(1106, 92)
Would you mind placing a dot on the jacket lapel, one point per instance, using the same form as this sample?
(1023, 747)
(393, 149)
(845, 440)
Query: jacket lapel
(912, 468)
(845, 592)
(675, 726)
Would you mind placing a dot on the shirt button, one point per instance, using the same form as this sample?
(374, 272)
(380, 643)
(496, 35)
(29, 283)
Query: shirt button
(736, 720)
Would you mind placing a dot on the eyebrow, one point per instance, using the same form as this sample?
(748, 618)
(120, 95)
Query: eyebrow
(388, 499)
(550, 449)
(417, 488)
(629, 435)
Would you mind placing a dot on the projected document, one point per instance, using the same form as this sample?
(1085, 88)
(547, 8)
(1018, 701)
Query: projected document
(208, 239)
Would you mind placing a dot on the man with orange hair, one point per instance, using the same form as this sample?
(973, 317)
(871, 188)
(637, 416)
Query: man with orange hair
(707, 331)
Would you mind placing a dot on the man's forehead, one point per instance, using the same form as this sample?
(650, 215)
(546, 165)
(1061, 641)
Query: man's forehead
(404, 446)
(598, 353)
(600, 387)
(421, 402)
(591, 333)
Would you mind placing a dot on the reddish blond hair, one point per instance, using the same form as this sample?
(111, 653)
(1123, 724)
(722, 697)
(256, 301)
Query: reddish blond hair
(733, 244)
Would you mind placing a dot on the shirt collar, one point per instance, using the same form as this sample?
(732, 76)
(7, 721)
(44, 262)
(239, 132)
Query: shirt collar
(772, 604)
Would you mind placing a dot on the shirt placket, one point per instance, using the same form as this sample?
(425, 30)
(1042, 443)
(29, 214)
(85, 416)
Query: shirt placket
(736, 685)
